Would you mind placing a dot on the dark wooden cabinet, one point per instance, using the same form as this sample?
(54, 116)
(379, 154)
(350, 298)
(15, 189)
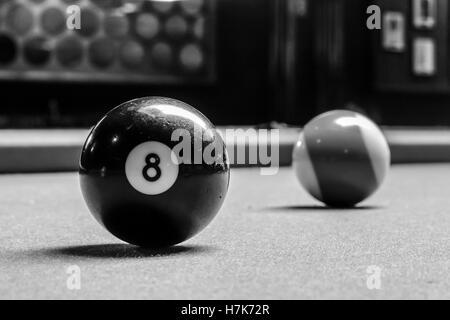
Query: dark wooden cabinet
(240, 92)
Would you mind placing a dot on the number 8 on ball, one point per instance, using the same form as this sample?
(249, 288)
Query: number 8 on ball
(151, 168)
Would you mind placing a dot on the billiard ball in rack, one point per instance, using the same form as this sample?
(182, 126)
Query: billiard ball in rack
(143, 41)
(135, 183)
(341, 158)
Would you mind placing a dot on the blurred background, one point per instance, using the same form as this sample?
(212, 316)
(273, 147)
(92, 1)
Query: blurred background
(241, 62)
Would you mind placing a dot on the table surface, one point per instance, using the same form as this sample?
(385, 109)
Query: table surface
(270, 241)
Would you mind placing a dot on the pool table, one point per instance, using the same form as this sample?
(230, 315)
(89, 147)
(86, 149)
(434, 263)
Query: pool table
(270, 240)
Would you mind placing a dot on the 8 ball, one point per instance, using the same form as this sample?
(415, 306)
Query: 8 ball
(138, 182)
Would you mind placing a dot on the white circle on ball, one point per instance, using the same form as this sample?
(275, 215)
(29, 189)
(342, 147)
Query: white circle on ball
(151, 168)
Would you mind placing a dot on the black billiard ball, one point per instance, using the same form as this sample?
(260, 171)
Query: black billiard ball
(154, 171)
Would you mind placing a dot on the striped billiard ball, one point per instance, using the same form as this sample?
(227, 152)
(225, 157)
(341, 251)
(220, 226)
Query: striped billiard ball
(341, 158)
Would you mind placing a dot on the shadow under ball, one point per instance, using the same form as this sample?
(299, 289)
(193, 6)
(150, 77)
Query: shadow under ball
(136, 186)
